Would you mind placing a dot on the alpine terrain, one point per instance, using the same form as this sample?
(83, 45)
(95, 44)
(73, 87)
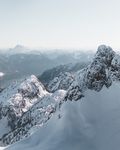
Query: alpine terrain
(70, 107)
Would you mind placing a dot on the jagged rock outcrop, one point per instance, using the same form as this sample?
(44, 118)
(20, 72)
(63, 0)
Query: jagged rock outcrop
(96, 75)
(18, 99)
(74, 93)
(115, 68)
(37, 115)
(63, 81)
(24, 105)
(98, 70)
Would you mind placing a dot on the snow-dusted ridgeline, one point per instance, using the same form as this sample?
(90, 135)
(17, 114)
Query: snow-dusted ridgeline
(23, 105)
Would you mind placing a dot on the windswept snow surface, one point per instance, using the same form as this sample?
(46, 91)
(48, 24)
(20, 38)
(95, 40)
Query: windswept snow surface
(92, 123)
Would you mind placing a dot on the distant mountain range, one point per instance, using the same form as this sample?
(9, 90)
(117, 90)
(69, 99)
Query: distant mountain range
(19, 62)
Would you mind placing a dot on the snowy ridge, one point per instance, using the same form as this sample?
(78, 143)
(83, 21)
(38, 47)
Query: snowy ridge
(17, 99)
(36, 116)
(31, 106)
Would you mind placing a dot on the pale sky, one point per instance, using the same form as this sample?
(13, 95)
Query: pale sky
(60, 23)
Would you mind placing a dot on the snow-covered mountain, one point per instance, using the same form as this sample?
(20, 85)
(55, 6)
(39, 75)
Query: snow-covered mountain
(29, 110)
(17, 99)
(25, 104)
(98, 73)
(18, 49)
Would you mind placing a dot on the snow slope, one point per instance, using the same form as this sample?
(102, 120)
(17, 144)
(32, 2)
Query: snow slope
(93, 123)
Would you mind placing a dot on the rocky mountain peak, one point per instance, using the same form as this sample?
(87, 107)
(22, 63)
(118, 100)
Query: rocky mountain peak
(105, 54)
(96, 75)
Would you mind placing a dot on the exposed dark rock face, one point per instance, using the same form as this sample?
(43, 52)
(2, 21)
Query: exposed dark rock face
(115, 68)
(97, 75)
(63, 81)
(74, 93)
